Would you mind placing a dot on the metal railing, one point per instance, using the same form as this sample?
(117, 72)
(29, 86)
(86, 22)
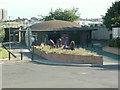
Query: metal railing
(19, 46)
(9, 53)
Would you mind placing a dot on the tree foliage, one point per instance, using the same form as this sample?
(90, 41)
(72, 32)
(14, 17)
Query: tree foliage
(112, 17)
(2, 34)
(60, 14)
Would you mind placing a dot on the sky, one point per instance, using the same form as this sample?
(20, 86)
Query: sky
(35, 8)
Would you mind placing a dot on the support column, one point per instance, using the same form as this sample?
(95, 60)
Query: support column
(20, 35)
(14, 36)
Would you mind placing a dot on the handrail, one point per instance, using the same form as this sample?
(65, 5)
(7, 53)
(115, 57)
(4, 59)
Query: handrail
(9, 52)
(5, 43)
(9, 42)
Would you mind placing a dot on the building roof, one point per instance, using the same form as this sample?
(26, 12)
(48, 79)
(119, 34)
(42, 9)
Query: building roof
(57, 25)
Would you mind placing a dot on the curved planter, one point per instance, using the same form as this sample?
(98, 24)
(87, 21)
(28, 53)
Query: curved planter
(70, 58)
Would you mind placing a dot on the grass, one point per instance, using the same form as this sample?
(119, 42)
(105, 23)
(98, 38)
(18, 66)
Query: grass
(3, 53)
(77, 51)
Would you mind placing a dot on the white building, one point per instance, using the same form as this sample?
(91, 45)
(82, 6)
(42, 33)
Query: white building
(115, 32)
(101, 33)
(88, 22)
(3, 14)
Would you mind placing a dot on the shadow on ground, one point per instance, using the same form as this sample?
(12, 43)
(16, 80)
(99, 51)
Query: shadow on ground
(108, 67)
(103, 67)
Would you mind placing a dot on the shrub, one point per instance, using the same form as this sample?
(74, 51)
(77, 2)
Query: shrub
(2, 34)
(114, 43)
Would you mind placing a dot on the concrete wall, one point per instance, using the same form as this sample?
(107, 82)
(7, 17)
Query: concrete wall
(101, 33)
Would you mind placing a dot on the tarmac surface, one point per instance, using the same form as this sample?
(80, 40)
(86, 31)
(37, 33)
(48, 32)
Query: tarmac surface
(42, 73)
(27, 74)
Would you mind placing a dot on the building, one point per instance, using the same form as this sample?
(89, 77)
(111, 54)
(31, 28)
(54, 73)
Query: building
(115, 32)
(9, 33)
(101, 33)
(3, 14)
(89, 22)
(55, 29)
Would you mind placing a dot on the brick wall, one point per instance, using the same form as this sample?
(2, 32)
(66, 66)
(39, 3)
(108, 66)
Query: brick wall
(70, 58)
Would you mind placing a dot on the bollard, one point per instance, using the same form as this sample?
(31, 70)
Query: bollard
(32, 53)
(9, 55)
(92, 44)
(21, 56)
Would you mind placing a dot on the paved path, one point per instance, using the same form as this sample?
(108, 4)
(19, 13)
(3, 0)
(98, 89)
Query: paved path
(107, 57)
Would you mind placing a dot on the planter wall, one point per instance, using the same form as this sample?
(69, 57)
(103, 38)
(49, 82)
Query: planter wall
(70, 58)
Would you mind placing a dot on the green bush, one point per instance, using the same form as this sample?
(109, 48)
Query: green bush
(110, 43)
(114, 43)
(2, 34)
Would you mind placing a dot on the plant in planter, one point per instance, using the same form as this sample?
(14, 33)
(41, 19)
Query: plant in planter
(79, 51)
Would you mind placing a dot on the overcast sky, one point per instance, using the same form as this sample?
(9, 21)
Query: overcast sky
(33, 8)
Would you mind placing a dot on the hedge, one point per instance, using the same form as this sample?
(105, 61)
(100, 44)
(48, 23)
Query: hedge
(114, 43)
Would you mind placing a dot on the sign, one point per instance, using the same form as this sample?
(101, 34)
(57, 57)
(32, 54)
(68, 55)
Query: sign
(28, 37)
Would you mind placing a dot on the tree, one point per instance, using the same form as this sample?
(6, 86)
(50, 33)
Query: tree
(60, 14)
(2, 34)
(112, 17)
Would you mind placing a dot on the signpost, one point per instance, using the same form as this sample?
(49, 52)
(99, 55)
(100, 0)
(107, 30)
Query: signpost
(29, 39)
